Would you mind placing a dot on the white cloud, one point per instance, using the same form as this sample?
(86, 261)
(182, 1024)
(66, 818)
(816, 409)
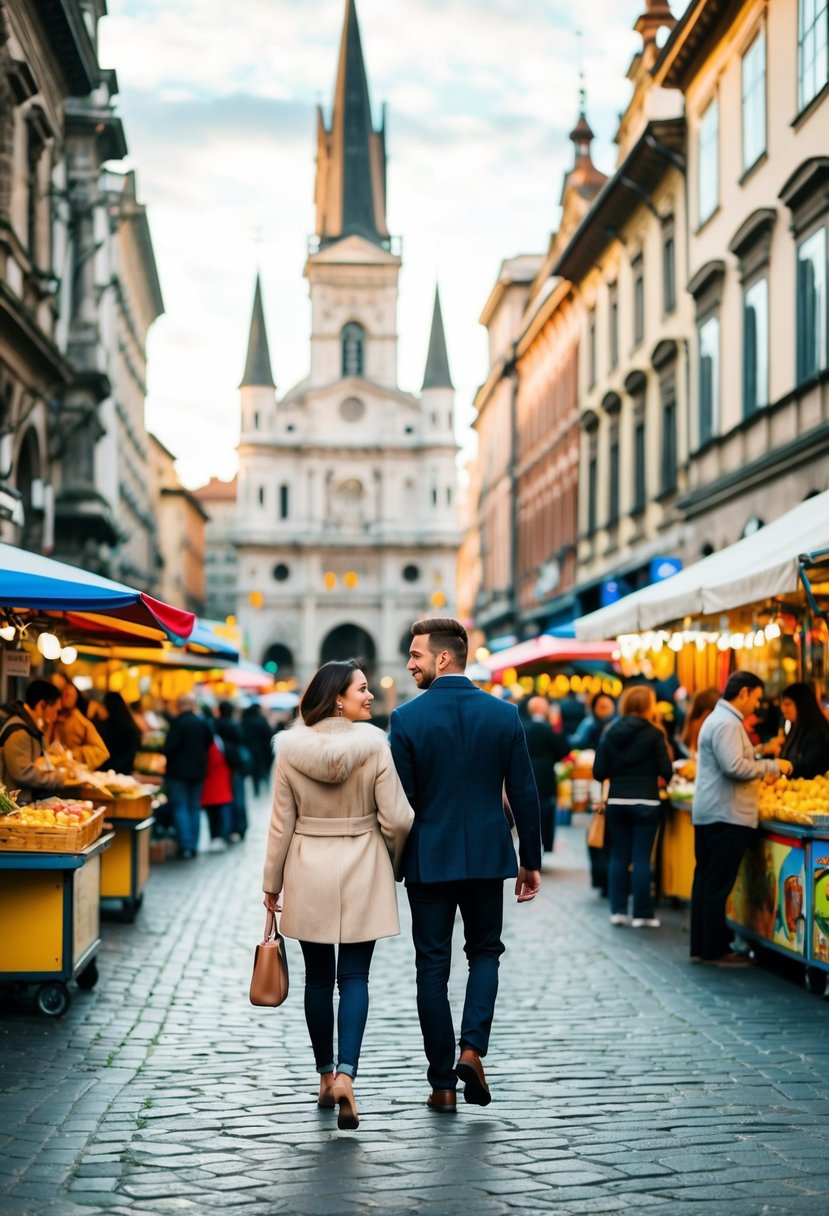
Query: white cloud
(218, 103)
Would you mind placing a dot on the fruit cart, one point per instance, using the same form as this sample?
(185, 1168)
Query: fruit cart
(780, 900)
(125, 867)
(50, 905)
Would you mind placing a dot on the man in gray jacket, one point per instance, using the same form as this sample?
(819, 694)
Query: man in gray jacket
(725, 814)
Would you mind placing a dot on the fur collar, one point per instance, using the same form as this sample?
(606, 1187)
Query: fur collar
(331, 750)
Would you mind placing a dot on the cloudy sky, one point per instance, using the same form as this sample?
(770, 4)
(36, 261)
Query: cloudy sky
(218, 102)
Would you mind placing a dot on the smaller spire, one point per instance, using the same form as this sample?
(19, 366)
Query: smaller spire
(437, 373)
(657, 16)
(258, 363)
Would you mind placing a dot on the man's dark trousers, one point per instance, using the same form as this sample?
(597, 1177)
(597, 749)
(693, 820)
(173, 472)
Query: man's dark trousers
(433, 906)
(719, 849)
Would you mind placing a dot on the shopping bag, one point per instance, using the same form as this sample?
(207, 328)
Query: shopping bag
(269, 982)
(595, 833)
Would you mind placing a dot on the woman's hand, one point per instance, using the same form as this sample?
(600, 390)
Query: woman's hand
(271, 902)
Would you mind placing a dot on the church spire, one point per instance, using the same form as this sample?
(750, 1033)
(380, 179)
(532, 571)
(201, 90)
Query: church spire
(437, 374)
(351, 155)
(258, 363)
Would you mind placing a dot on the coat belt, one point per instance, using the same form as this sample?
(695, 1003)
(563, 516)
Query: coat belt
(306, 826)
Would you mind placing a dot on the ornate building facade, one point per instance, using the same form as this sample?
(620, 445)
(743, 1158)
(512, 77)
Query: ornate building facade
(346, 525)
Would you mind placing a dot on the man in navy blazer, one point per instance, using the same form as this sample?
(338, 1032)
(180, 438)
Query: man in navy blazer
(458, 750)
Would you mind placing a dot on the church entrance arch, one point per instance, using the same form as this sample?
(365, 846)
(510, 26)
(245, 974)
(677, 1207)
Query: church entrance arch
(349, 642)
(279, 660)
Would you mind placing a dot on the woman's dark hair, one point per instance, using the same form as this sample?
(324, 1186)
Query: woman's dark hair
(599, 696)
(118, 712)
(331, 681)
(809, 715)
(226, 709)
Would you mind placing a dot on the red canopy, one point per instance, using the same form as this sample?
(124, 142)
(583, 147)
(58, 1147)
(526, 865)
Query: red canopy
(550, 650)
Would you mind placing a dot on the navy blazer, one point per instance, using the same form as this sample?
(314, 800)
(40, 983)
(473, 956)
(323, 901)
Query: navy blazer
(456, 749)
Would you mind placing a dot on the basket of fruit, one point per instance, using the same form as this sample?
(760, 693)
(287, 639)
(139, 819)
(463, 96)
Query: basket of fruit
(122, 796)
(55, 825)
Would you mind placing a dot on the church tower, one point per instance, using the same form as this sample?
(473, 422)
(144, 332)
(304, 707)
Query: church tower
(347, 524)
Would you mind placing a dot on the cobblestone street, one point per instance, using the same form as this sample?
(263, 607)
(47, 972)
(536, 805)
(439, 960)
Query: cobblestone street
(624, 1078)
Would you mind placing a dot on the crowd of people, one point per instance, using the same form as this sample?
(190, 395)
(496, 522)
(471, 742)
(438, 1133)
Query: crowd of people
(210, 751)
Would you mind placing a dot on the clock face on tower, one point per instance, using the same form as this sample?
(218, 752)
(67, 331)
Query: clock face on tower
(352, 409)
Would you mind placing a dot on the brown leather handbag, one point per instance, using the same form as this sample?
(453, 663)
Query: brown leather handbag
(269, 982)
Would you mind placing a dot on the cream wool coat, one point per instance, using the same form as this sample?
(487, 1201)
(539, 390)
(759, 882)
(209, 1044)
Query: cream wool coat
(339, 823)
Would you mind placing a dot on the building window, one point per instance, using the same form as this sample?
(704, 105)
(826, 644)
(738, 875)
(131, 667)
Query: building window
(592, 487)
(755, 346)
(613, 492)
(261, 496)
(639, 476)
(613, 324)
(353, 341)
(708, 333)
(668, 461)
(411, 573)
(708, 191)
(754, 101)
(812, 49)
(256, 420)
(591, 349)
(284, 501)
(280, 572)
(668, 268)
(638, 268)
(811, 305)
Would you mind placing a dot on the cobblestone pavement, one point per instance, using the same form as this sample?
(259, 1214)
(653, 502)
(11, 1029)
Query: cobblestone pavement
(624, 1078)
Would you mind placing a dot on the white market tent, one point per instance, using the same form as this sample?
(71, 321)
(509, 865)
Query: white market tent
(760, 567)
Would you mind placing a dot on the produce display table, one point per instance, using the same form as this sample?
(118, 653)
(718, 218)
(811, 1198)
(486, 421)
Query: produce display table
(676, 851)
(50, 907)
(781, 897)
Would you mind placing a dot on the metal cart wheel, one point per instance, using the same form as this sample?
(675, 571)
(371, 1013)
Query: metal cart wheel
(816, 980)
(53, 999)
(88, 978)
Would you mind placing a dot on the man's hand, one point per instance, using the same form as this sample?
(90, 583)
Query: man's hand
(271, 901)
(527, 884)
(785, 767)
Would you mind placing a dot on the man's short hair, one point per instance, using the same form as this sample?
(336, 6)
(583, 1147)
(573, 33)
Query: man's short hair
(445, 633)
(41, 690)
(739, 680)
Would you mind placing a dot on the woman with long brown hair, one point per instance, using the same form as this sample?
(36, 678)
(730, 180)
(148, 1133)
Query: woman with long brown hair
(339, 824)
(633, 754)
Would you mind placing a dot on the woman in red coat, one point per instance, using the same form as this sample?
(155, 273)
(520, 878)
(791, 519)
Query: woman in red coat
(217, 796)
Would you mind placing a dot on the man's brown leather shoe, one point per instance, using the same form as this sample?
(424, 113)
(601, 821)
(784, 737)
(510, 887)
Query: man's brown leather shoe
(470, 1070)
(443, 1101)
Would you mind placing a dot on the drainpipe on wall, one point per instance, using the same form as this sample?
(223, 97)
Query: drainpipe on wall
(512, 371)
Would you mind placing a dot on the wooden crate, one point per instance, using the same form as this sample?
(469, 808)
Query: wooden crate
(120, 808)
(16, 837)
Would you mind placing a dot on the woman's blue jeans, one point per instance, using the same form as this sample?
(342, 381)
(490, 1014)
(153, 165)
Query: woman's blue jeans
(632, 831)
(349, 966)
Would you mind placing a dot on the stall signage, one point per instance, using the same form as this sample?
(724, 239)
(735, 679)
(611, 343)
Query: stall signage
(17, 663)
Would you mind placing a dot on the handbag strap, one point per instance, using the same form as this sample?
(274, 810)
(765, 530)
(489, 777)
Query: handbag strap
(271, 927)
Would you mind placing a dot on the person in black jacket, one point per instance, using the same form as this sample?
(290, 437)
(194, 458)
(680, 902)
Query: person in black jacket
(807, 743)
(633, 754)
(189, 739)
(545, 747)
(258, 739)
(121, 736)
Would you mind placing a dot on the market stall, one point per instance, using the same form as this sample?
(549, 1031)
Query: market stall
(53, 852)
(50, 898)
(125, 868)
(780, 900)
(760, 604)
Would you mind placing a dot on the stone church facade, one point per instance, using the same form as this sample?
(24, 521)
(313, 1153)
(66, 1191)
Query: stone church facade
(346, 527)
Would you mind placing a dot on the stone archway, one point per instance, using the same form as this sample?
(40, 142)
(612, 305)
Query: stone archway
(28, 474)
(283, 659)
(350, 642)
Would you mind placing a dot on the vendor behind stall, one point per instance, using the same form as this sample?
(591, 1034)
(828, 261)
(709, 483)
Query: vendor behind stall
(807, 743)
(75, 731)
(23, 765)
(119, 733)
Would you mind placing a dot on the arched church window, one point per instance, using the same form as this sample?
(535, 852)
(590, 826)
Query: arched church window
(353, 342)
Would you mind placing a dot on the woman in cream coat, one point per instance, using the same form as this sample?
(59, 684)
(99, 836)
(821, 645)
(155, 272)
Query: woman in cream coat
(339, 824)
